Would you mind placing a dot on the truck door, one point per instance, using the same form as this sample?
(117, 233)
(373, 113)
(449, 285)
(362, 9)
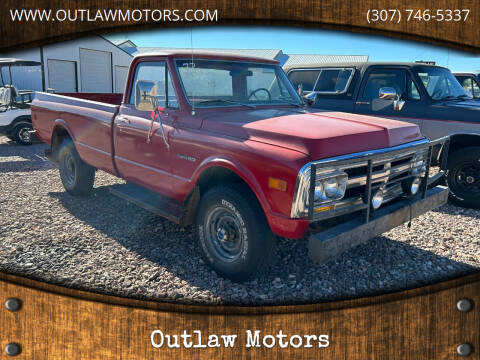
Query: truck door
(403, 82)
(142, 162)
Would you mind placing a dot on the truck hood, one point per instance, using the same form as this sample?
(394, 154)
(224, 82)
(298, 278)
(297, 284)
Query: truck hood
(319, 134)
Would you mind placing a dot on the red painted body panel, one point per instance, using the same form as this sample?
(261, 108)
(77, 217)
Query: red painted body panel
(253, 143)
(109, 98)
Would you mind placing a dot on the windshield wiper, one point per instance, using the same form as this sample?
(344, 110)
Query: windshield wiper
(227, 101)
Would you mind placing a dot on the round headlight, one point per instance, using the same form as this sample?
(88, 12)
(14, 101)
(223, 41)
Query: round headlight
(415, 186)
(377, 199)
(419, 165)
(318, 191)
(331, 187)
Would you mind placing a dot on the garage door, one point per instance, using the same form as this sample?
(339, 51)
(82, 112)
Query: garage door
(121, 73)
(96, 71)
(62, 75)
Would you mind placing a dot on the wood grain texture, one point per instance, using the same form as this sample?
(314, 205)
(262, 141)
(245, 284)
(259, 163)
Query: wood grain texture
(60, 323)
(331, 14)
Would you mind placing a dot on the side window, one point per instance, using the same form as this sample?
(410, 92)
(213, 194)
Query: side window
(470, 86)
(467, 84)
(412, 90)
(394, 78)
(475, 89)
(306, 79)
(333, 80)
(156, 72)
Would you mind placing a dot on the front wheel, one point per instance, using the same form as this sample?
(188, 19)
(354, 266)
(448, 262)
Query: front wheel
(234, 235)
(77, 176)
(22, 134)
(463, 177)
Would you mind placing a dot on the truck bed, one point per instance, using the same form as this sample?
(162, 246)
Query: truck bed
(109, 98)
(88, 123)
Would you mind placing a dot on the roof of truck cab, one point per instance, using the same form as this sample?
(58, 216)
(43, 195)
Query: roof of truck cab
(357, 65)
(465, 73)
(205, 54)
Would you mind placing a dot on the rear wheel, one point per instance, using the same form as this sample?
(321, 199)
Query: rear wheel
(77, 176)
(234, 235)
(464, 177)
(22, 134)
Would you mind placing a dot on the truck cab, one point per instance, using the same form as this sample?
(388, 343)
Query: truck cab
(424, 94)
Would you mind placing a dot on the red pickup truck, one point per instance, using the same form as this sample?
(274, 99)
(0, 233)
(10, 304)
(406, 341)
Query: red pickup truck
(224, 142)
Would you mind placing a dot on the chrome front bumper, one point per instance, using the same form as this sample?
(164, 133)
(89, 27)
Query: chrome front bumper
(325, 246)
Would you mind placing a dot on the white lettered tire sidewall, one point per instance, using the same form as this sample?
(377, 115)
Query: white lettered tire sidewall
(257, 239)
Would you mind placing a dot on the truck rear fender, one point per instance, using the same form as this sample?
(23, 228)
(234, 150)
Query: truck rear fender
(60, 132)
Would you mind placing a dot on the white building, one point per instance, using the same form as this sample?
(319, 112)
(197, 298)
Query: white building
(96, 64)
(91, 65)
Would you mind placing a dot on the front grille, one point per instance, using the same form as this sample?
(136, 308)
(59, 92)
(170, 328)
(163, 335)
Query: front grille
(388, 170)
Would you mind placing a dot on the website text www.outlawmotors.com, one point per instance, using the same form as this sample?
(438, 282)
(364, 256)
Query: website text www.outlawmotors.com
(113, 15)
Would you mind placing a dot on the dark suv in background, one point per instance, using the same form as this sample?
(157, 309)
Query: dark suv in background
(427, 95)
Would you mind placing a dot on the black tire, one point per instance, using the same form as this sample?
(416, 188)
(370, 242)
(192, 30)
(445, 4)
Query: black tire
(21, 134)
(463, 177)
(234, 235)
(77, 176)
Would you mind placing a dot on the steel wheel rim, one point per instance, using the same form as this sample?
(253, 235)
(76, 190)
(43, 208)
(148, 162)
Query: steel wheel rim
(69, 167)
(467, 178)
(223, 233)
(24, 134)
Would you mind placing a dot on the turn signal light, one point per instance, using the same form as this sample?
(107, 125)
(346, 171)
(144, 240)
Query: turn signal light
(277, 184)
(324, 208)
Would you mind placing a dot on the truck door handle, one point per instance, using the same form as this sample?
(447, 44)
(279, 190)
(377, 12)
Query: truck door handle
(123, 120)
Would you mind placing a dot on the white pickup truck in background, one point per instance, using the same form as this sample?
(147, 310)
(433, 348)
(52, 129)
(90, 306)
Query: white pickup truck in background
(15, 118)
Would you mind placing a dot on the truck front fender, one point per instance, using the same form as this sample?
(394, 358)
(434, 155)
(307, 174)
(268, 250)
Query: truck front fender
(238, 169)
(458, 141)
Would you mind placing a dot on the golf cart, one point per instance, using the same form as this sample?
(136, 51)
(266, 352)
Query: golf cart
(15, 119)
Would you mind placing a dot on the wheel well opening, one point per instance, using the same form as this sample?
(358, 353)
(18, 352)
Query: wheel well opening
(59, 134)
(459, 141)
(462, 141)
(209, 178)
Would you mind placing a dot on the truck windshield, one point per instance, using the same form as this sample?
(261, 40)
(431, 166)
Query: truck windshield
(441, 84)
(209, 83)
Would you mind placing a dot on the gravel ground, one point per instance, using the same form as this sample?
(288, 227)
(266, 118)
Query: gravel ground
(106, 245)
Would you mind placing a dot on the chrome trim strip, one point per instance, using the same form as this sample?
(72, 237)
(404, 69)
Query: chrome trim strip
(93, 148)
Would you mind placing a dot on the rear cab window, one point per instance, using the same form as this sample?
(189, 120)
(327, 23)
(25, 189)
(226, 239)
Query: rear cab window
(328, 81)
(470, 85)
(303, 80)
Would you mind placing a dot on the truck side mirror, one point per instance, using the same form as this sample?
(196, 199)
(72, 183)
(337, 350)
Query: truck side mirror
(389, 93)
(310, 98)
(145, 91)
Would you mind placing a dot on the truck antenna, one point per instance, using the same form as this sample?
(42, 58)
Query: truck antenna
(193, 66)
